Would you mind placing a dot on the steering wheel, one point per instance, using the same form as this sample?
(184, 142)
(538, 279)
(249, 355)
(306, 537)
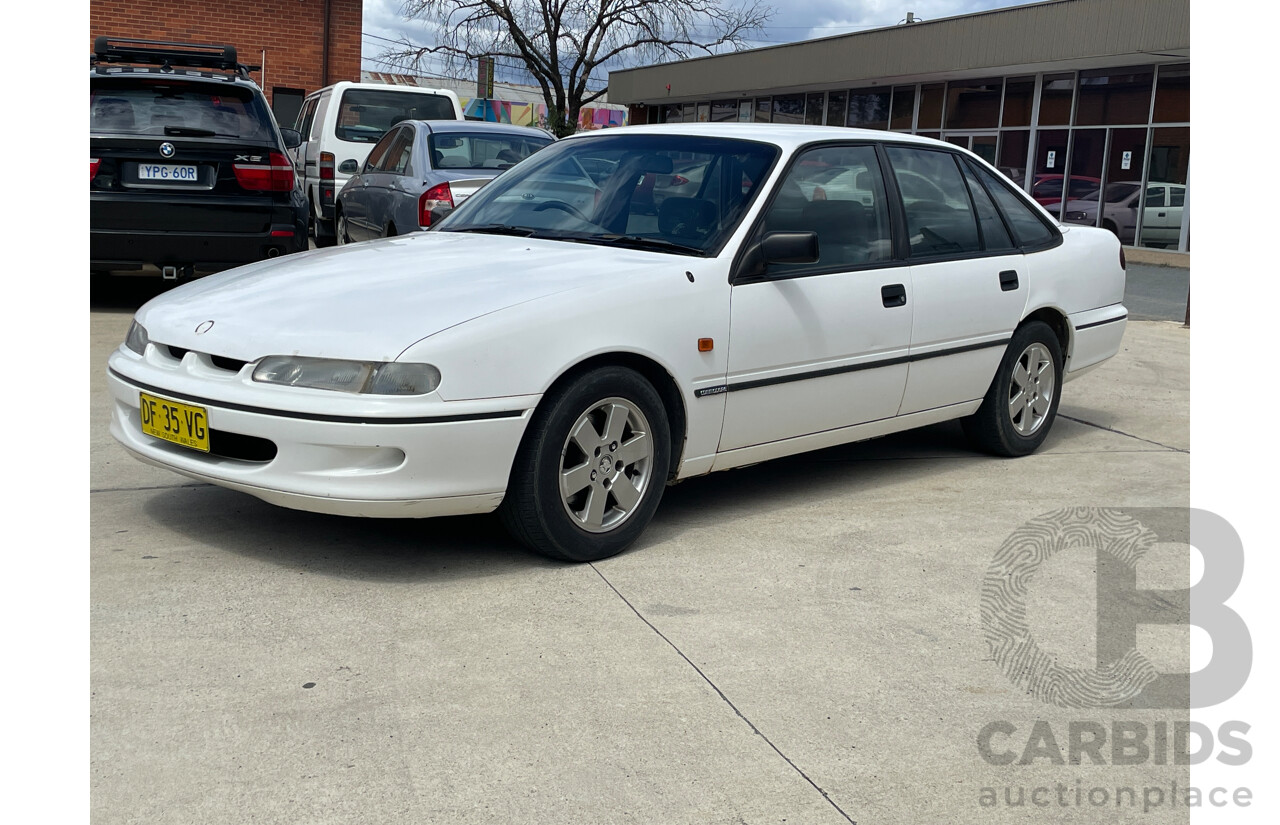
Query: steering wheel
(564, 207)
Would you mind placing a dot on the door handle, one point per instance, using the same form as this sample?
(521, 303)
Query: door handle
(893, 295)
(1009, 280)
(1160, 214)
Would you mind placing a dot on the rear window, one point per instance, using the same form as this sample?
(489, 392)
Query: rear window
(167, 106)
(366, 114)
(460, 150)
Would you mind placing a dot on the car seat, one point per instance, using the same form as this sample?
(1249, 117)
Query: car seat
(687, 218)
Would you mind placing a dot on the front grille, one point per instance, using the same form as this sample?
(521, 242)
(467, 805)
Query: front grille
(221, 362)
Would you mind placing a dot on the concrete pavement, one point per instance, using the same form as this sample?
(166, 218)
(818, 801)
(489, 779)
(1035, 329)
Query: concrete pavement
(798, 641)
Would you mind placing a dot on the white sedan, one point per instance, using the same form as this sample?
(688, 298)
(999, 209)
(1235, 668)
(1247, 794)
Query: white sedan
(562, 362)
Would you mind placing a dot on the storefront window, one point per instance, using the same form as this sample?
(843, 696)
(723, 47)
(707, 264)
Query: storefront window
(973, 104)
(904, 107)
(1166, 194)
(746, 109)
(931, 95)
(837, 105)
(1173, 94)
(1019, 93)
(723, 111)
(788, 109)
(868, 109)
(704, 112)
(1114, 96)
(764, 109)
(1055, 99)
(673, 113)
(813, 109)
(1013, 156)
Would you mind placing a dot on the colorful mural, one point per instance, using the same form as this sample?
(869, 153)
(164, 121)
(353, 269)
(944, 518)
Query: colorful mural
(535, 114)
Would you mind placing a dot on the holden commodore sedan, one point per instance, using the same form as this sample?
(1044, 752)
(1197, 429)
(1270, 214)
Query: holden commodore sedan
(560, 359)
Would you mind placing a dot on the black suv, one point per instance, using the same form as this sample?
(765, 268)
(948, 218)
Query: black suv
(187, 168)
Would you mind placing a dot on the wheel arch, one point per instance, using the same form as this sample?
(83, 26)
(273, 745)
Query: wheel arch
(653, 372)
(1057, 321)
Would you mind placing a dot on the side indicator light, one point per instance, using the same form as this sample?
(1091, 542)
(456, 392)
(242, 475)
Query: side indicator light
(706, 344)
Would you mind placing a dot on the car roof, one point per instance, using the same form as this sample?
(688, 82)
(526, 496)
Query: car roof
(474, 126)
(786, 135)
(384, 87)
(116, 72)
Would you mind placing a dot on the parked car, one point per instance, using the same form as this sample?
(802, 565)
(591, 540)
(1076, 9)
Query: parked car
(420, 171)
(341, 123)
(1047, 189)
(562, 361)
(187, 167)
(1162, 206)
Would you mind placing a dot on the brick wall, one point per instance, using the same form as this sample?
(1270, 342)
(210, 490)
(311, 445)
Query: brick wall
(291, 32)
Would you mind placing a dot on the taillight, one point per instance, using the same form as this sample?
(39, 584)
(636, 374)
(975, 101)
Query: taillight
(679, 180)
(326, 166)
(275, 176)
(93, 168)
(434, 198)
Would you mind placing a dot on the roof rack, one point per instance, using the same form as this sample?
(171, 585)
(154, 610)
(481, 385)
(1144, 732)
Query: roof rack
(167, 54)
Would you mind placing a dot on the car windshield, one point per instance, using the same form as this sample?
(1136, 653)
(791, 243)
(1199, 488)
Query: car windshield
(367, 114)
(601, 189)
(464, 150)
(164, 106)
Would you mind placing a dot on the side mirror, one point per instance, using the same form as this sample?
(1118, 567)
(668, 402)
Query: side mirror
(292, 138)
(776, 248)
(349, 167)
(790, 247)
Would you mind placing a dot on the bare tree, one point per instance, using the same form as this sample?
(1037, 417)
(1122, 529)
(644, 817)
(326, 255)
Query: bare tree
(563, 42)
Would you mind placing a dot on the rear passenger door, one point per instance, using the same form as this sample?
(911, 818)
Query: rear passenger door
(968, 276)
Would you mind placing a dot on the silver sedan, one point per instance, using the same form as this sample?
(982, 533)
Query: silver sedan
(421, 170)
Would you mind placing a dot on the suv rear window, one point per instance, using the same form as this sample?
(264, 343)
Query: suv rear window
(367, 114)
(167, 106)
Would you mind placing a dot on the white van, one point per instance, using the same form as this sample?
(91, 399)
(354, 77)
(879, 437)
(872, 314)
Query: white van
(339, 125)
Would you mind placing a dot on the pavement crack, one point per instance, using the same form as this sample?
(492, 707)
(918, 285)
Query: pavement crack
(725, 698)
(1123, 433)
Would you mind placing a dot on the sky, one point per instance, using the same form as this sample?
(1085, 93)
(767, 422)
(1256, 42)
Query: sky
(793, 20)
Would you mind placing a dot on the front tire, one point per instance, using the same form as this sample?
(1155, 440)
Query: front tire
(1022, 402)
(591, 467)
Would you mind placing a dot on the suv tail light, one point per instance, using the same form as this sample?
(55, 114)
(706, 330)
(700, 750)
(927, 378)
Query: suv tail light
(93, 168)
(275, 176)
(434, 198)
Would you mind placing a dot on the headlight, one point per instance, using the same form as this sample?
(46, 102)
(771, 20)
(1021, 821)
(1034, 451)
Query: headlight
(371, 377)
(137, 339)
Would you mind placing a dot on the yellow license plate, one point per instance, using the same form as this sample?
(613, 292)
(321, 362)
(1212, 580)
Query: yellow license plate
(183, 424)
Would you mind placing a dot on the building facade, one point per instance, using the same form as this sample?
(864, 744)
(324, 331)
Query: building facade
(300, 45)
(1084, 103)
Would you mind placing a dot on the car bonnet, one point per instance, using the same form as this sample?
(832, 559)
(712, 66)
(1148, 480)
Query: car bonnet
(371, 300)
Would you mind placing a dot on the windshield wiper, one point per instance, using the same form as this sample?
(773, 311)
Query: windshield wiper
(641, 242)
(192, 131)
(497, 229)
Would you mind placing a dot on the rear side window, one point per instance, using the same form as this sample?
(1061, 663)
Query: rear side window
(179, 108)
(940, 219)
(1029, 229)
(995, 237)
(460, 150)
(365, 115)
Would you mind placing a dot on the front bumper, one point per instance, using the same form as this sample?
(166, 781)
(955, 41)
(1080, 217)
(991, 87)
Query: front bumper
(441, 458)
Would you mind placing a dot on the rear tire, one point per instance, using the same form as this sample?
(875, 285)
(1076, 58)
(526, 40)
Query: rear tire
(1022, 402)
(591, 468)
